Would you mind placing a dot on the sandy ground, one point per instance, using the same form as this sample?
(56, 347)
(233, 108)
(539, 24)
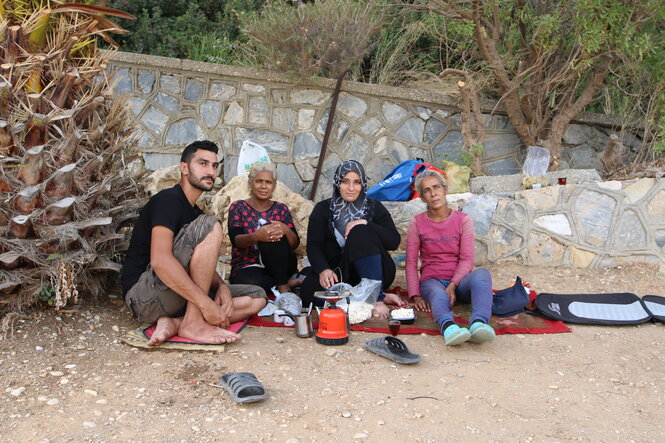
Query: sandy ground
(67, 377)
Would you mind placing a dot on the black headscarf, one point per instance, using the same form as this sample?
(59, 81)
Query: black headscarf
(342, 211)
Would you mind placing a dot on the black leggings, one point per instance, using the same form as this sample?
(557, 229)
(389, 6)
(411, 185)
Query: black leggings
(279, 261)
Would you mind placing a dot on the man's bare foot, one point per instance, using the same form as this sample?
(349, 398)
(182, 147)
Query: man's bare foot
(166, 328)
(206, 333)
(394, 299)
(283, 288)
(380, 310)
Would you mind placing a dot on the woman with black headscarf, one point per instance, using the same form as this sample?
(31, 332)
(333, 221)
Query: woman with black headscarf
(349, 235)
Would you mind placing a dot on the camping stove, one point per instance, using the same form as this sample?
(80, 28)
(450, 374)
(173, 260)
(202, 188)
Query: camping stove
(333, 321)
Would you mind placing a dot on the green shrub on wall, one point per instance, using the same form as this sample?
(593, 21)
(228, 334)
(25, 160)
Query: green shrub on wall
(315, 39)
(205, 30)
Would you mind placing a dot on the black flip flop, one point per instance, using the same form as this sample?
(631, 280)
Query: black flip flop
(243, 387)
(393, 349)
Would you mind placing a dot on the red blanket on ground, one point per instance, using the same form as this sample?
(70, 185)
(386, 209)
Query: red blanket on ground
(522, 323)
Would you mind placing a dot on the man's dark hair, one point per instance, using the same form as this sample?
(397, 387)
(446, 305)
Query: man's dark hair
(191, 148)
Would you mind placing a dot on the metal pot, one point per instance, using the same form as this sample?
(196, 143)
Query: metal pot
(303, 325)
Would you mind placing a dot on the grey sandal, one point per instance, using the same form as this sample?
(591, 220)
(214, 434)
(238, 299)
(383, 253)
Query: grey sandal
(393, 349)
(243, 387)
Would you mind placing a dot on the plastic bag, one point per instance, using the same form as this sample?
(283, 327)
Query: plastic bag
(289, 303)
(457, 177)
(397, 185)
(363, 298)
(250, 154)
(537, 161)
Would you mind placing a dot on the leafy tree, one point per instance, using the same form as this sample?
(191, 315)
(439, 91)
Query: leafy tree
(550, 58)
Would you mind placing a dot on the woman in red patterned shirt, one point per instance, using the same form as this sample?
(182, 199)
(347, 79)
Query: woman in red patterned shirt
(263, 236)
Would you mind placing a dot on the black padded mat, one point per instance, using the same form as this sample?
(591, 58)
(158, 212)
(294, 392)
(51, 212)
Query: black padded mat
(593, 309)
(655, 305)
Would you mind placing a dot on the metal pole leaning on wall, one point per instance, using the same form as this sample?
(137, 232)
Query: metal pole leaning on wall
(324, 145)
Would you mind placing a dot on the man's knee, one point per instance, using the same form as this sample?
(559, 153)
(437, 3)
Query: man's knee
(247, 290)
(216, 232)
(259, 303)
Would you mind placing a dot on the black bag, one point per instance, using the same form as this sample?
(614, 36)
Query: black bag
(510, 301)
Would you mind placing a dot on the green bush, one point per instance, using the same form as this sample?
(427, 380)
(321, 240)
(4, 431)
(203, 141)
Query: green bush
(315, 39)
(185, 28)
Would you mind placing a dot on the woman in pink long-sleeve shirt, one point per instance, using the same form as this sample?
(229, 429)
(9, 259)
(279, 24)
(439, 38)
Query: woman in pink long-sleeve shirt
(443, 240)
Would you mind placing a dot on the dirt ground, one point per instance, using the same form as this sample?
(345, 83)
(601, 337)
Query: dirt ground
(66, 376)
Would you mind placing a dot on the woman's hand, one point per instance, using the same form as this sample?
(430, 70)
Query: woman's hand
(327, 278)
(450, 290)
(421, 304)
(353, 224)
(283, 229)
(268, 233)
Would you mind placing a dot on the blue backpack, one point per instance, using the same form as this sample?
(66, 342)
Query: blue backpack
(398, 184)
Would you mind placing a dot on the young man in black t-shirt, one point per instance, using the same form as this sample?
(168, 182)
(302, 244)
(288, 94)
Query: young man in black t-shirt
(170, 275)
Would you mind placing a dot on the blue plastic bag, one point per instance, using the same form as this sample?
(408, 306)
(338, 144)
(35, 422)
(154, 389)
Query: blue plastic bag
(398, 184)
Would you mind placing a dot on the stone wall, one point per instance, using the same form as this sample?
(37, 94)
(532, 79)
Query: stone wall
(178, 101)
(587, 223)
(592, 225)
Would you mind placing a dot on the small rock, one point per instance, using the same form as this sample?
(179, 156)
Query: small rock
(102, 401)
(91, 392)
(70, 366)
(38, 348)
(292, 440)
(64, 381)
(331, 352)
(57, 373)
(346, 414)
(115, 328)
(53, 402)
(381, 422)
(16, 392)
(195, 428)
(89, 424)
(279, 340)
(360, 436)
(42, 398)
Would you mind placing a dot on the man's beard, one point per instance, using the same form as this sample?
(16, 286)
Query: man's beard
(198, 183)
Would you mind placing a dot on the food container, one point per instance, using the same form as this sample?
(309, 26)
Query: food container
(405, 315)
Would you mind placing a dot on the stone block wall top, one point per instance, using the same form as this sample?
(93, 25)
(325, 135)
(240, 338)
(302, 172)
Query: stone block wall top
(176, 101)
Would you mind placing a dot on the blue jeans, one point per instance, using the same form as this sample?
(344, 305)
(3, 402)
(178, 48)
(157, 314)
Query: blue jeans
(475, 287)
(370, 267)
